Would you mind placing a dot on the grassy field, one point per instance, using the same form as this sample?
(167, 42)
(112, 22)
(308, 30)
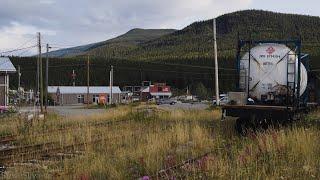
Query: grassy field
(132, 142)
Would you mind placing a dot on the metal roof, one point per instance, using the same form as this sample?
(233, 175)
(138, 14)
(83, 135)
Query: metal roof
(6, 65)
(161, 94)
(146, 89)
(83, 89)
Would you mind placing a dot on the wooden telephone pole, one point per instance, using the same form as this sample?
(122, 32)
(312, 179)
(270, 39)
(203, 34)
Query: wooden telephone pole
(40, 75)
(47, 76)
(88, 79)
(19, 78)
(111, 84)
(216, 61)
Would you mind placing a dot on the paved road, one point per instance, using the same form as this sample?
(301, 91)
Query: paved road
(75, 110)
(78, 110)
(185, 106)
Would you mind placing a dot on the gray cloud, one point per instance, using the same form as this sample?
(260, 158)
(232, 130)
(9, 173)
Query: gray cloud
(83, 21)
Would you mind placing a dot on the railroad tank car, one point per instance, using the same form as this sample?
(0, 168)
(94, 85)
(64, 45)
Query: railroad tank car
(272, 67)
(273, 83)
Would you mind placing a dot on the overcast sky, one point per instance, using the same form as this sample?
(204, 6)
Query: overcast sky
(64, 23)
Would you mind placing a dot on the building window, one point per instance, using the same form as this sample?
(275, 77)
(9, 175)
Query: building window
(81, 98)
(95, 98)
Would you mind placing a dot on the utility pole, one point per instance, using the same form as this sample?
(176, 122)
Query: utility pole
(216, 60)
(39, 74)
(111, 84)
(19, 78)
(73, 78)
(41, 82)
(141, 81)
(88, 79)
(47, 76)
(38, 61)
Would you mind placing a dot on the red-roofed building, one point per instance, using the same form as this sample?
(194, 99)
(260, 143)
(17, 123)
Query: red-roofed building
(157, 91)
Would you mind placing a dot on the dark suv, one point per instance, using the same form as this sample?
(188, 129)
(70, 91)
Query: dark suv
(166, 101)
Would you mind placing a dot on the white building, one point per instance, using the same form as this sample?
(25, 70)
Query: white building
(6, 68)
(63, 95)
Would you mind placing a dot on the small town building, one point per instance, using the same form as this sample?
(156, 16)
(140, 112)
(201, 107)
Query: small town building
(6, 68)
(156, 91)
(133, 92)
(69, 95)
(160, 91)
(126, 97)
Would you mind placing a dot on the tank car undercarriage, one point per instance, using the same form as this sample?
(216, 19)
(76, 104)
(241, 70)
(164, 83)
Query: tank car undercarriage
(258, 117)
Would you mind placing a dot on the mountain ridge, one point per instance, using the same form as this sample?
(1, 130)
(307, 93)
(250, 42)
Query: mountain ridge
(132, 37)
(195, 40)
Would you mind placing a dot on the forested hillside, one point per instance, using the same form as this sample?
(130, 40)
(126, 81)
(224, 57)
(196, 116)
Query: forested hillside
(195, 41)
(178, 73)
(180, 58)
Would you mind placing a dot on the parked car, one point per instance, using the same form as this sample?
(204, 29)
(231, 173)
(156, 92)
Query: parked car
(250, 101)
(223, 101)
(7, 109)
(166, 101)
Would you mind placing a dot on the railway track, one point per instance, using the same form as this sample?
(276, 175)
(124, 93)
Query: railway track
(14, 154)
(12, 138)
(186, 165)
(7, 139)
(23, 153)
(171, 172)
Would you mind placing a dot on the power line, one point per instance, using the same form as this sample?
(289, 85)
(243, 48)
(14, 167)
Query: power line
(158, 70)
(194, 66)
(54, 44)
(23, 52)
(138, 69)
(19, 49)
(26, 42)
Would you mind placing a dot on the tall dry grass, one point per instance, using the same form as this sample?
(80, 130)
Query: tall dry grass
(153, 140)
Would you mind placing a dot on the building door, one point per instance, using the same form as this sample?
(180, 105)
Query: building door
(95, 98)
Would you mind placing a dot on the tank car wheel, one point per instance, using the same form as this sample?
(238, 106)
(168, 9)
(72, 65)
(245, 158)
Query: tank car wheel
(239, 126)
(243, 126)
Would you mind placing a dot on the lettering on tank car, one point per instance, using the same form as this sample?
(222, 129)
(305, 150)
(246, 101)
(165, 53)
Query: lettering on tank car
(268, 64)
(273, 56)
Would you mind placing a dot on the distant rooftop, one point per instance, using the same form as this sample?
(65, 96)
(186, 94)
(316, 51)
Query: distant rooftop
(83, 89)
(6, 65)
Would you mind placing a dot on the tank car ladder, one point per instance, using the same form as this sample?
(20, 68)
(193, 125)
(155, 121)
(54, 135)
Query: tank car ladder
(291, 81)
